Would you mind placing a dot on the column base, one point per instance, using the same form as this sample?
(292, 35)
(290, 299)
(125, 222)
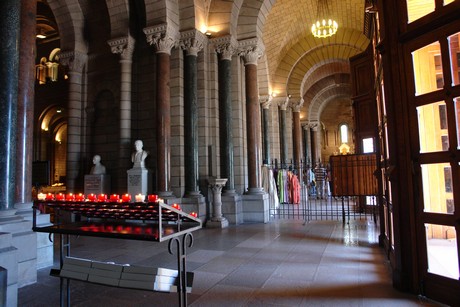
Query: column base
(232, 208)
(256, 208)
(255, 191)
(218, 223)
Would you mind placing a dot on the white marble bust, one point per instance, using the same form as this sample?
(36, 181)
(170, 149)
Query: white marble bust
(98, 168)
(138, 157)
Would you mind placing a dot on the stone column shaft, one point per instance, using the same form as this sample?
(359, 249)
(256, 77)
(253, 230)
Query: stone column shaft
(253, 126)
(75, 62)
(26, 97)
(191, 125)
(297, 135)
(125, 47)
(313, 144)
(9, 64)
(163, 119)
(283, 136)
(226, 118)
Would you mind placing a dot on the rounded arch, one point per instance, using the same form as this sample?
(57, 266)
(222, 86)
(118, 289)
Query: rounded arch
(70, 20)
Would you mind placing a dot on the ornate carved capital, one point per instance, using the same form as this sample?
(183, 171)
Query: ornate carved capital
(163, 37)
(251, 50)
(265, 101)
(226, 46)
(123, 46)
(192, 41)
(282, 102)
(74, 60)
(296, 106)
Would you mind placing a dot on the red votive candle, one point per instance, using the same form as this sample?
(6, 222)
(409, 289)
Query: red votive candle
(114, 198)
(80, 197)
(70, 197)
(194, 214)
(126, 198)
(176, 206)
(102, 197)
(50, 196)
(92, 197)
(60, 197)
(153, 198)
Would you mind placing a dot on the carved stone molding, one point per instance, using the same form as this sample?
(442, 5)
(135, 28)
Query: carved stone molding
(226, 46)
(282, 102)
(124, 46)
(192, 41)
(251, 50)
(74, 60)
(163, 37)
(265, 101)
(296, 106)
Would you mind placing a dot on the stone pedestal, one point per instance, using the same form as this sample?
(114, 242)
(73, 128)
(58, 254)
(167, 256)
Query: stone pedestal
(8, 260)
(256, 207)
(139, 179)
(97, 184)
(232, 208)
(195, 204)
(217, 220)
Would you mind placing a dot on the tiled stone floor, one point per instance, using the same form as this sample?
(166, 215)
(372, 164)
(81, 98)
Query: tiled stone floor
(281, 263)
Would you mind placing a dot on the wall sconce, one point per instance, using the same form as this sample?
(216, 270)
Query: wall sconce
(48, 70)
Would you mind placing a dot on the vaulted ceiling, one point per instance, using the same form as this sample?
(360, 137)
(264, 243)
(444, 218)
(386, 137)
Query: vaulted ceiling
(312, 71)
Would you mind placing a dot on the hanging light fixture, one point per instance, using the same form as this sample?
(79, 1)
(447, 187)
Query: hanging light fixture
(325, 25)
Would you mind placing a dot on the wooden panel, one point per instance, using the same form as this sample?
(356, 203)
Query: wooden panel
(353, 175)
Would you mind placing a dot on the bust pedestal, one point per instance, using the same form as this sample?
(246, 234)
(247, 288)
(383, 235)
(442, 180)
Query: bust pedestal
(138, 181)
(97, 184)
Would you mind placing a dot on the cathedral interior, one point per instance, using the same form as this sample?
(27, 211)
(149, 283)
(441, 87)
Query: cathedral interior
(226, 97)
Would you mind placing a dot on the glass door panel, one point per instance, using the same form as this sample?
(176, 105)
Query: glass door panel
(442, 251)
(437, 188)
(418, 8)
(428, 73)
(454, 52)
(432, 125)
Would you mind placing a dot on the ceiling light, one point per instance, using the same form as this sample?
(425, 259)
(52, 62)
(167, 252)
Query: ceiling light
(325, 25)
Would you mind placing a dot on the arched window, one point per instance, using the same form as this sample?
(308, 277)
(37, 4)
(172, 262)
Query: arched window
(343, 133)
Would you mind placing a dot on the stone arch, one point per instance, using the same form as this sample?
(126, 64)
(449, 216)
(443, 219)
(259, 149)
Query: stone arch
(70, 20)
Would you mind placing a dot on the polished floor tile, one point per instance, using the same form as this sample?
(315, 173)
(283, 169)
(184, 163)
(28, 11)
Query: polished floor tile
(281, 263)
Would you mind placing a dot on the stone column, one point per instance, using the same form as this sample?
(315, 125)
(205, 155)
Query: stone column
(306, 140)
(266, 101)
(163, 38)
(76, 62)
(25, 113)
(124, 46)
(296, 134)
(217, 220)
(191, 42)
(225, 47)
(251, 54)
(283, 132)
(313, 144)
(9, 66)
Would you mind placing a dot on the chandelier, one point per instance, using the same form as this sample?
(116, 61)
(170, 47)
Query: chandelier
(324, 26)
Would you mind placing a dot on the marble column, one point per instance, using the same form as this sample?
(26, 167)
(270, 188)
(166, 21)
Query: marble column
(297, 135)
(266, 101)
(163, 38)
(25, 113)
(217, 220)
(124, 46)
(192, 42)
(250, 56)
(313, 145)
(9, 65)
(306, 140)
(283, 132)
(225, 48)
(75, 61)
